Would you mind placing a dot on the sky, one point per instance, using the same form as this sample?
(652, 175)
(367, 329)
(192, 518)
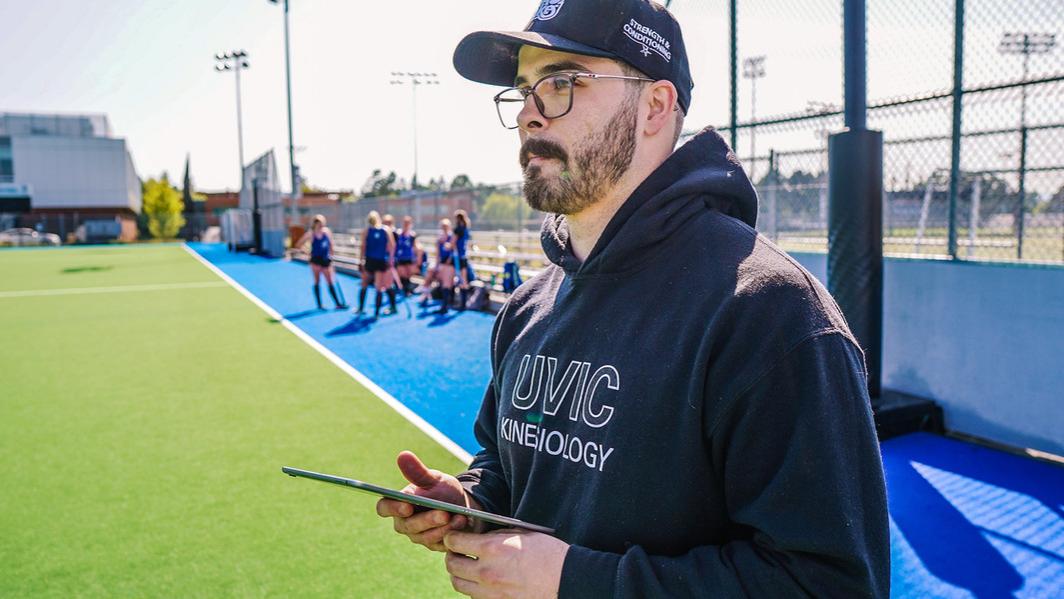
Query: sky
(149, 66)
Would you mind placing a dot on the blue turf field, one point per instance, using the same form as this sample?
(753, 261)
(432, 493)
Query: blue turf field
(438, 366)
(966, 521)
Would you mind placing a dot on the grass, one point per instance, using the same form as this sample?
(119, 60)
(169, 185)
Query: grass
(143, 433)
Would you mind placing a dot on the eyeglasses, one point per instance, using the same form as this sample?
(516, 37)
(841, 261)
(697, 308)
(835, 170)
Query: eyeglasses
(552, 94)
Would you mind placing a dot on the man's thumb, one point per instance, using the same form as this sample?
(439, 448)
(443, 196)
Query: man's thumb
(415, 471)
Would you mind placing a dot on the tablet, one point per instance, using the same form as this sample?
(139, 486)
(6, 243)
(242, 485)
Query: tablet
(424, 502)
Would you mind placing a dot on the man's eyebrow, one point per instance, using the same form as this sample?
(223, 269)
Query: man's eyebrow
(554, 67)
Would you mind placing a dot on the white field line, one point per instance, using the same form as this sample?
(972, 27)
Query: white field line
(383, 395)
(118, 289)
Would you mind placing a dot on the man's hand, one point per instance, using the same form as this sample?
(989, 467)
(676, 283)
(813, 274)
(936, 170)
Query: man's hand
(509, 563)
(427, 527)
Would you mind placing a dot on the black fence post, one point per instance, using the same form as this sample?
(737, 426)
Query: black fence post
(256, 216)
(958, 105)
(734, 36)
(855, 206)
(1022, 207)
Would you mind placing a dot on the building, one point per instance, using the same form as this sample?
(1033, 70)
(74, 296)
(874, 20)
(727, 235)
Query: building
(59, 171)
(218, 202)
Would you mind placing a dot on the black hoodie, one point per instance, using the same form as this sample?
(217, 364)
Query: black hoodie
(687, 407)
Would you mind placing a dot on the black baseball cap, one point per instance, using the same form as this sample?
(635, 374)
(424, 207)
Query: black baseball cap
(639, 32)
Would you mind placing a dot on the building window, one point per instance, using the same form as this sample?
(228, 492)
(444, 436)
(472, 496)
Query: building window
(7, 165)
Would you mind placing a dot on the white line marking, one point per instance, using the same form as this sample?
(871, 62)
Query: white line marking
(118, 289)
(384, 396)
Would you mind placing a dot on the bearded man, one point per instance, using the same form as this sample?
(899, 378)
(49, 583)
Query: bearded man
(679, 399)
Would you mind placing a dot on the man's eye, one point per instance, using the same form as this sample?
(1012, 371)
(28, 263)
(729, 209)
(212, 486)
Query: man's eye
(561, 83)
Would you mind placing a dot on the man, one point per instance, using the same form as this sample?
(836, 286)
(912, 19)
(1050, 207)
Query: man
(688, 427)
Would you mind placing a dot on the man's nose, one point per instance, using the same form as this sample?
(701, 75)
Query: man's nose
(530, 117)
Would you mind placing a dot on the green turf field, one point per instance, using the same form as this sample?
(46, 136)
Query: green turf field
(143, 430)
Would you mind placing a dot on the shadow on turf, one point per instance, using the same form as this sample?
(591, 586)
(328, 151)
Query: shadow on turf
(951, 547)
(77, 269)
(295, 316)
(438, 320)
(357, 325)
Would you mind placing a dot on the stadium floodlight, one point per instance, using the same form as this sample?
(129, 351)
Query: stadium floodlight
(753, 69)
(1025, 44)
(235, 61)
(415, 79)
(297, 191)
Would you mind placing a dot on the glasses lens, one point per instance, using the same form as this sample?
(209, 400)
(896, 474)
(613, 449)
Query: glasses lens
(509, 103)
(556, 95)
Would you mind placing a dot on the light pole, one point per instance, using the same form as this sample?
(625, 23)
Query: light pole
(1025, 44)
(235, 61)
(753, 69)
(415, 80)
(293, 169)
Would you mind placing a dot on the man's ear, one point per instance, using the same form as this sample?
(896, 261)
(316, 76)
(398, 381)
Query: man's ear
(661, 98)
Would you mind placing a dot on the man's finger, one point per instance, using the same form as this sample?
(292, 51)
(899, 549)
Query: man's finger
(462, 566)
(463, 586)
(415, 471)
(468, 543)
(419, 523)
(387, 508)
(431, 538)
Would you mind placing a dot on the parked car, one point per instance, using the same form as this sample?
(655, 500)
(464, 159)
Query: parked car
(24, 236)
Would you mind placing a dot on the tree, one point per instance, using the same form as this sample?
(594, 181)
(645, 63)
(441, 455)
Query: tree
(461, 182)
(379, 184)
(308, 188)
(162, 207)
(186, 188)
(499, 209)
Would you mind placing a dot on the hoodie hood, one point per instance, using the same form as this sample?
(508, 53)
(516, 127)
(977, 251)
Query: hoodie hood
(702, 174)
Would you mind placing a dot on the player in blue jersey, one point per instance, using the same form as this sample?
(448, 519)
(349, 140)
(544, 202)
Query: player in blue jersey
(378, 253)
(443, 272)
(321, 249)
(389, 223)
(407, 254)
(461, 240)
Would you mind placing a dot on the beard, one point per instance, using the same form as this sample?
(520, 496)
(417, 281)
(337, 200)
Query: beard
(598, 162)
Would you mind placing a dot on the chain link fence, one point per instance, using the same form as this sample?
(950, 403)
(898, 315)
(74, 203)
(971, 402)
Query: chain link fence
(1007, 202)
(497, 212)
(1008, 199)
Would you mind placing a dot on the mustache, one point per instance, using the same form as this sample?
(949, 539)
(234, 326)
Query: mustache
(543, 149)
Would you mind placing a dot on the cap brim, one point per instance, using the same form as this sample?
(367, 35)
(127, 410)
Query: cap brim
(491, 56)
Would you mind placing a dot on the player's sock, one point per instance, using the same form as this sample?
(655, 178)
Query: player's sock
(391, 299)
(317, 296)
(336, 299)
(362, 299)
(377, 307)
(445, 305)
(463, 294)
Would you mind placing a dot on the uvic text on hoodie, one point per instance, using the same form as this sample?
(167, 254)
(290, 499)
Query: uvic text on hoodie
(686, 407)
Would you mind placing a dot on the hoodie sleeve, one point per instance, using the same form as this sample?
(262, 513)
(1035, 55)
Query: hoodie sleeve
(803, 480)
